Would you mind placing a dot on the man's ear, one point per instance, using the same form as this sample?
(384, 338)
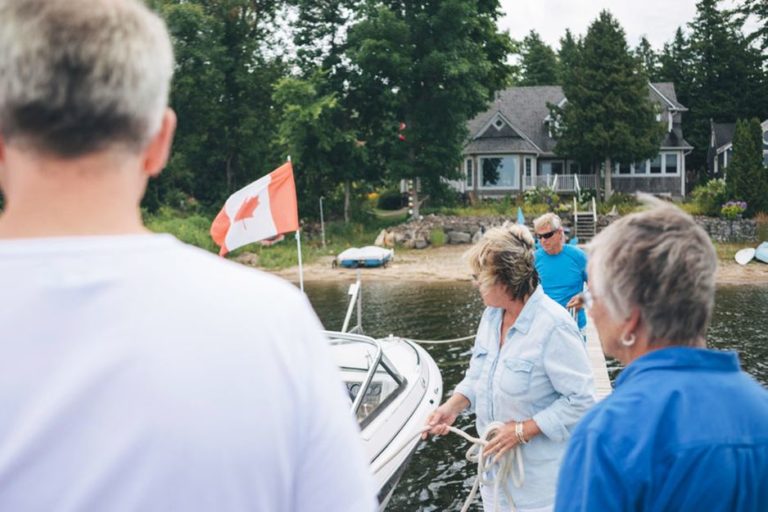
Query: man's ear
(159, 148)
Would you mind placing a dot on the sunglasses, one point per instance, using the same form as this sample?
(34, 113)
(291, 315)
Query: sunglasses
(546, 236)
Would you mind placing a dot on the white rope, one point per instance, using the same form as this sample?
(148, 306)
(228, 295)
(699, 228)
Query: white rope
(439, 342)
(510, 465)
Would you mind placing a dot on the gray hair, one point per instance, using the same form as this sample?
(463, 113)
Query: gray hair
(78, 76)
(660, 262)
(548, 219)
(504, 255)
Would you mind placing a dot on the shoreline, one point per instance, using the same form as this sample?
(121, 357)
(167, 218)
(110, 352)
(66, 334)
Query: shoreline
(445, 264)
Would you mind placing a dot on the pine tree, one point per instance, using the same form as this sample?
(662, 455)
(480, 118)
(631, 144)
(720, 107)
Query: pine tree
(567, 56)
(649, 61)
(727, 80)
(539, 63)
(746, 177)
(608, 116)
(758, 9)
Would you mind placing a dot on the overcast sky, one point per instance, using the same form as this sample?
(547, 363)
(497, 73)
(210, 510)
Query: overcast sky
(656, 19)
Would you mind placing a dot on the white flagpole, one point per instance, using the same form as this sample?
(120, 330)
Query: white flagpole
(298, 250)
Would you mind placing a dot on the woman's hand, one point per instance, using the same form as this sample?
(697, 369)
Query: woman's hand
(576, 302)
(444, 416)
(504, 440)
(506, 437)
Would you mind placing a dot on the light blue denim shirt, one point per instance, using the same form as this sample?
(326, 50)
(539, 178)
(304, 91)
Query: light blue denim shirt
(541, 372)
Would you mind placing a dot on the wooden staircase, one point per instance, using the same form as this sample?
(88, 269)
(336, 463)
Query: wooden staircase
(584, 222)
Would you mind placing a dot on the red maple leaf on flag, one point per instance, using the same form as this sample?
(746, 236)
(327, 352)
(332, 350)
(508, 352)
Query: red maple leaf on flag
(246, 209)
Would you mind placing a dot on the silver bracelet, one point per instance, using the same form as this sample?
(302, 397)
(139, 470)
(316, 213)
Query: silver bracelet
(519, 432)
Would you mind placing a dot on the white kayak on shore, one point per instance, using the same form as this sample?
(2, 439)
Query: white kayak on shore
(744, 256)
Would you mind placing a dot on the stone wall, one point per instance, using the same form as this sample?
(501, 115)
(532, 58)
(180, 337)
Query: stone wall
(722, 230)
(417, 234)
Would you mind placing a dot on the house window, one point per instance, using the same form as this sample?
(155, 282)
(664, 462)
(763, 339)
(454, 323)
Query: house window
(656, 165)
(574, 168)
(499, 172)
(528, 172)
(641, 167)
(468, 167)
(623, 168)
(499, 124)
(670, 163)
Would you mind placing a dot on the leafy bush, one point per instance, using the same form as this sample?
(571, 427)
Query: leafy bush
(624, 203)
(541, 195)
(710, 196)
(192, 229)
(437, 237)
(733, 209)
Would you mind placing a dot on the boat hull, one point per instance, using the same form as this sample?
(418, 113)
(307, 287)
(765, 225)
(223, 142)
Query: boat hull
(761, 253)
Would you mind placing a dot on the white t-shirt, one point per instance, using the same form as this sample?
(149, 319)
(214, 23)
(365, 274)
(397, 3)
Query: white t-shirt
(138, 373)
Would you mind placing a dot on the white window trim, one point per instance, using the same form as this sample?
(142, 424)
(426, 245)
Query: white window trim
(480, 185)
(648, 174)
(469, 183)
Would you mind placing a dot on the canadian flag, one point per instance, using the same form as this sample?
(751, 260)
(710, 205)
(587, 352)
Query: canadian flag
(263, 209)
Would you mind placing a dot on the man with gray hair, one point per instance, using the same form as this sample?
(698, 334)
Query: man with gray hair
(137, 373)
(561, 267)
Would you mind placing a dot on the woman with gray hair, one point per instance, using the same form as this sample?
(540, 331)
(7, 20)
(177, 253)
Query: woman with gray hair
(529, 370)
(685, 429)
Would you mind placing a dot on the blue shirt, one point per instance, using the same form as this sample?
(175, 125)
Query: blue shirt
(563, 275)
(685, 430)
(541, 372)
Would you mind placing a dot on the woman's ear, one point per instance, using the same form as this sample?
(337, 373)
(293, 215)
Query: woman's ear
(632, 323)
(159, 148)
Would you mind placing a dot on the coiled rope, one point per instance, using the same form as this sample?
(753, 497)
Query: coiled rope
(508, 466)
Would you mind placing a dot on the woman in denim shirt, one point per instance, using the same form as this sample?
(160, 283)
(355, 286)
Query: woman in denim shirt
(529, 369)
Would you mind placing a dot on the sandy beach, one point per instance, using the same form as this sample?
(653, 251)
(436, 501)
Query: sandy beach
(446, 264)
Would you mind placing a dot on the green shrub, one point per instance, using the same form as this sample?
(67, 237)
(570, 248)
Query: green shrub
(192, 229)
(541, 195)
(733, 209)
(437, 237)
(710, 196)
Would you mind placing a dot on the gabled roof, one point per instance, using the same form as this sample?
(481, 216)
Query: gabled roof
(666, 92)
(723, 133)
(525, 110)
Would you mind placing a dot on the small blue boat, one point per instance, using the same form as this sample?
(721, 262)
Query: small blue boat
(369, 256)
(761, 253)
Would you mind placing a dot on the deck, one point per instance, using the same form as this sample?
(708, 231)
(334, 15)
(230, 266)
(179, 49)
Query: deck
(597, 361)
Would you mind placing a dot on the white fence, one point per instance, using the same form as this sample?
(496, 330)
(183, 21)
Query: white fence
(562, 182)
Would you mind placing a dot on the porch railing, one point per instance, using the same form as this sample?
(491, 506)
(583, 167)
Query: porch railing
(573, 183)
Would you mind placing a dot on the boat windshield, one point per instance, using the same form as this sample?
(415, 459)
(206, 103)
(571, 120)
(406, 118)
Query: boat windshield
(366, 370)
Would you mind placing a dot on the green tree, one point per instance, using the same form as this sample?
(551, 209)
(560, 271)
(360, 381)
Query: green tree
(758, 9)
(567, 56)
(538, 62)
(746, 177)
(222, 92)
(675, 65)
(608, 116)
(649, 61)
(431, 64)
(323, 152)
(727, 80)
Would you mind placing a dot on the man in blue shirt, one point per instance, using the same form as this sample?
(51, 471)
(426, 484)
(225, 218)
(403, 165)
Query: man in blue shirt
(562, 268)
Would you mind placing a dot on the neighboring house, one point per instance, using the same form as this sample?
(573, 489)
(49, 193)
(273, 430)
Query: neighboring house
(720, 149)
(511, 149)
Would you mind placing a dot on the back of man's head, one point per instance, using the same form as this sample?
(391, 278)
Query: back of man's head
(78, 76)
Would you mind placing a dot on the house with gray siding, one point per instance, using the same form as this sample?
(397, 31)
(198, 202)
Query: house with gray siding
(720, 149)
(511, 149)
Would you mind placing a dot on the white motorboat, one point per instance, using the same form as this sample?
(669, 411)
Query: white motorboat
(394, 385)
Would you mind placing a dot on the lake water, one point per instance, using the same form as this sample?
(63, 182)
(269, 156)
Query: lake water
(438, 477)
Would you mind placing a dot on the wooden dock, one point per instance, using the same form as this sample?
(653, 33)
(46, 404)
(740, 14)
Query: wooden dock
(597, 359)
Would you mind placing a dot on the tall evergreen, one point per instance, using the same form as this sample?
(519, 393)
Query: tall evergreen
(746, 177)
(609, 116)
(431, 65)
(567, 56)
(649, 61)
(758, 9)
(538, 63)
(675, 65)
(727, 80)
